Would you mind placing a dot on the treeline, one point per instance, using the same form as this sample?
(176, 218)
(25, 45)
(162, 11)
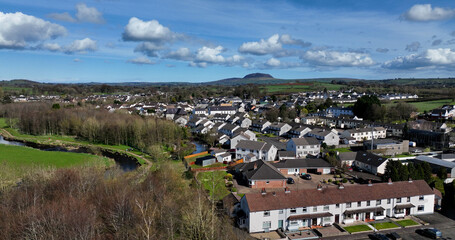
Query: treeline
(397, 171)
(88, 204)
(94, 125)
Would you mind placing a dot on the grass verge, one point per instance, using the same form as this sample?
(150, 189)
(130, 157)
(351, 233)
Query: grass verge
(357, 228)
(407, 222)
(384, 225)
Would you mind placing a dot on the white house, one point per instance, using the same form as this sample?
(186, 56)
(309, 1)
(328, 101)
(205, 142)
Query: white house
(370, 162)
(294, 209)
(247, 135)
(261, 150)
(362, 134)
(222, 110)
(329, 137)
(304, 146)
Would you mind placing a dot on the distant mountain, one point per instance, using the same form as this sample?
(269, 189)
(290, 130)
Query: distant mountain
(258, 75)
(18, 82)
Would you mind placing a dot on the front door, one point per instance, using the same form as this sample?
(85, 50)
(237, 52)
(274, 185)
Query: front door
(314, 221)
(280, 224)
(367, 216)
(408, 210)
(337, 218)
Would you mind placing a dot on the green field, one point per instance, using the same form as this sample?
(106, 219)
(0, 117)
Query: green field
(214, 183)
(313, 86)
(358, 228)
(407, 222)
(426, 105)
(341, 150)
(384, 225)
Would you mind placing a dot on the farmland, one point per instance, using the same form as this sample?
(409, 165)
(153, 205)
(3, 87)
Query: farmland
(426, 105)
(301, 87)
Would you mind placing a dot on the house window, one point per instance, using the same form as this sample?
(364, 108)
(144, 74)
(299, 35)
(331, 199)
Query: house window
(267, 182)
(304, 209)
(293, 210)
(294, 223)
(266, 224)
(408, 199)
(389, 201)
(315, 209)
(421, 208)
(326, 208)
(359, 203)
(281, 211)
(368, 203)
(337, 205)
(266, 213)
(327, 219)
(379, 213)
(378, 202)
(348, 205)
(398, 200)
(421, 198)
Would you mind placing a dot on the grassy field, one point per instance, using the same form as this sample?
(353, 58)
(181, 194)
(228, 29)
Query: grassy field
(426, 105)
(214, 183)
(407, 222)
(357, 228)
(384, 225)
(346, 149)
(312, 86)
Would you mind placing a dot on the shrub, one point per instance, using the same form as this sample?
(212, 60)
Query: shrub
(228, 177)
(345, 180)
(233, 189)
(330, 180)
(229, 184)
(337, 182)
(324, 181)
(352, 181)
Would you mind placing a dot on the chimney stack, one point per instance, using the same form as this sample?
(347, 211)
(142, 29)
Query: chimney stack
(410, 180)
(319, 187)
(390, 181)
(287, 190)
(341, 186)
(369, 183)
(255, 166)
(263, 192)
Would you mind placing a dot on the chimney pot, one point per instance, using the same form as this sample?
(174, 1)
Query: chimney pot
(410, 180)
(319, 187)
(263, 192)
(341, 186)
(287, 190)
(390, 181)
(369, 183)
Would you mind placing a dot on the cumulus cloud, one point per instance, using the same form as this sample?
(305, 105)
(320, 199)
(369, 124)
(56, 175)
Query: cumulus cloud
(413, 47)
(53, 47)
(210, 55)
(18, 30)
(431, 58)
(83, 14)
(436, 42)
(66, 17)
(82, 45)
(141, 61)
(273, 45)
(151, 31)
(273, 62)
(88, 14)
(382, 50)
(425, 12)
(149, 48)
(337, 59)
(183, 54)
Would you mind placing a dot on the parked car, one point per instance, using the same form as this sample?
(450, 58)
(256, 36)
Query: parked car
(290, 181)
(430, 232)
(377, 236)
(306, 176)
(394, 236)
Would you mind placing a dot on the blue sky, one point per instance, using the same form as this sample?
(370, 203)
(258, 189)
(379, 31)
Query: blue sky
(197, 41)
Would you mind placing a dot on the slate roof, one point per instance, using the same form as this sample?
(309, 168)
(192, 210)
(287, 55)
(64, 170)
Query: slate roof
(347, 156)
(370, 159)
(305, 141)
(253, 145)
(333, 195)
(263, 171)
(302, 163)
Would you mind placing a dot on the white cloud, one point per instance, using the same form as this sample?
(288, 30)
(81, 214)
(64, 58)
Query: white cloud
(413, 47)
(82, 45)
(53, 47)
(152, 31)
(183, 54)
(273, 62)
(337, 59)
(88, 14)
(141, 60)
(66, 17)
(431, 58)
(149, 48)
(17, 30)
(287, 39)
(210, 55)
(77, 60)
(262, 47)
(425, 12)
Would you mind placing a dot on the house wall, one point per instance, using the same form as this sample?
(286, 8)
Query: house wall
(271, 184)
(256, 219)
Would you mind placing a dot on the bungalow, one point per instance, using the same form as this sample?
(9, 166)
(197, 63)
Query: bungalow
(370, 162)
(304, 146)
(301, 166)
(294, 209)
(261, 150)
(261, 174)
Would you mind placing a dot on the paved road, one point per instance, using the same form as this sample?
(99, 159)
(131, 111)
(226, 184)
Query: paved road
(436, 220)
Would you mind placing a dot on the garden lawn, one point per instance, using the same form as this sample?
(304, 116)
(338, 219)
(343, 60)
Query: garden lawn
(358, 228)
(407, 222)
(214, 183)
(343, 149)
(384, 225)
